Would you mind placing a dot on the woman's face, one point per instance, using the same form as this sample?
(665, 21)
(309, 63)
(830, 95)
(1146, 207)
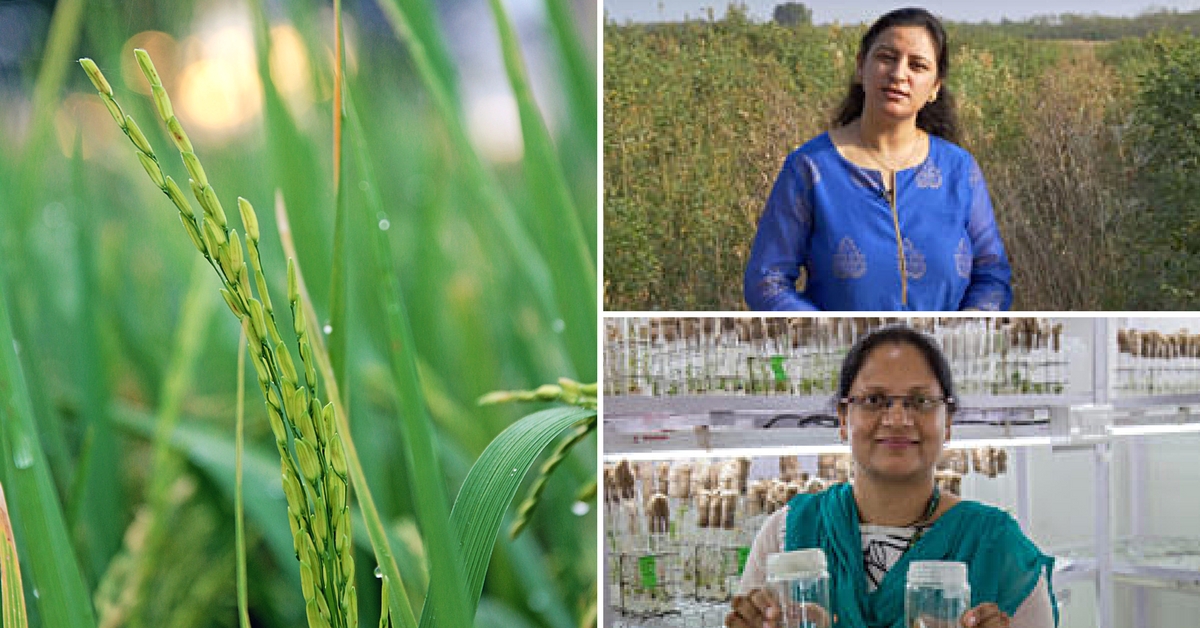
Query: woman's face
(897, 443)
(899, 72)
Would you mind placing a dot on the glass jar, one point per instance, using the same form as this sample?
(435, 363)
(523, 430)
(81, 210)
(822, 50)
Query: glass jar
(936, 594)
(800, 581)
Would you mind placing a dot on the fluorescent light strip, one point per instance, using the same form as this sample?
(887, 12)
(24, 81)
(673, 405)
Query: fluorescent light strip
(801, 450)
(750, 452)
(1017, 441)
(1143, 430)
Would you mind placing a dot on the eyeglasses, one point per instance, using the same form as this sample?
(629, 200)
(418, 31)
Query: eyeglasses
(877, 403)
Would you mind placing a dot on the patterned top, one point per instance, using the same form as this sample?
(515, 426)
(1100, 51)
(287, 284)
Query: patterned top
(833, 218)
(882, 547)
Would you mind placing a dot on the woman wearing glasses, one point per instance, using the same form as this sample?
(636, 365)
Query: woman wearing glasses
(895, 401)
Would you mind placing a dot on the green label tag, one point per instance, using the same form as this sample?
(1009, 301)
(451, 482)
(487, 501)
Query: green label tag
(649, 568)
(777, 366)
(743, 555)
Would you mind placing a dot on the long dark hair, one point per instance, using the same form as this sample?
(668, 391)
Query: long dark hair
(936, 118)
(897, 334)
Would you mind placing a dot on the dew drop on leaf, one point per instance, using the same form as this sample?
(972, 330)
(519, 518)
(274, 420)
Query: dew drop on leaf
(23, 453)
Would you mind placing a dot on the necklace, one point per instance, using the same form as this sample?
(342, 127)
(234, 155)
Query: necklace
(888, 165)
(922, 522)
(889, 168)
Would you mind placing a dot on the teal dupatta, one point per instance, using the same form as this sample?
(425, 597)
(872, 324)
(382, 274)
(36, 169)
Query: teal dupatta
(1003, 565)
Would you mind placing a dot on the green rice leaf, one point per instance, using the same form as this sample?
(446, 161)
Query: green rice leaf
(416, 426)
(420, 14)
(339, 280)
(62, 599)
(98, 492)
(294, 166)
(339, 331)
(579, 71)
(498, 213)
(420, 455)
(489, 490)
(560, 230)
(12, 596)
(64, 31)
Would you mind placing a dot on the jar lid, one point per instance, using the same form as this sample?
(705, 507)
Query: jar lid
(937, 572)
(803, 561)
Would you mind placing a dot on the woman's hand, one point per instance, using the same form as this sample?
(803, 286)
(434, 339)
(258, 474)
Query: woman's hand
(756, 609)
(986, 615)
(760, 609)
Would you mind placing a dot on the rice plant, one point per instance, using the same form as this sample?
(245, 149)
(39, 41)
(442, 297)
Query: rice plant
(368, 376)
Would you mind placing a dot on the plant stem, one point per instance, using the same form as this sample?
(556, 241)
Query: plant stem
(239, 518)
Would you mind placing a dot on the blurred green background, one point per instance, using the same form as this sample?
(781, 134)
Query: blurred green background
(116, 324)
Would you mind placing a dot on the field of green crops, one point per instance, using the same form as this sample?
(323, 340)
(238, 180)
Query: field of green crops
(444, 263)
(1087, 146)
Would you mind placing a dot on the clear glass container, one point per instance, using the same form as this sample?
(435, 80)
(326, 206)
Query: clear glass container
(936, 594)
(800, 582)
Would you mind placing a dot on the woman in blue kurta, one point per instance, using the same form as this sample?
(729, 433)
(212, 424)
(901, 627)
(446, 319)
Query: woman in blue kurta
(896, 397)
(883, 212)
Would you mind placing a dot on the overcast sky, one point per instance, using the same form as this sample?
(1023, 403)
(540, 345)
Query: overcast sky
(866, 10)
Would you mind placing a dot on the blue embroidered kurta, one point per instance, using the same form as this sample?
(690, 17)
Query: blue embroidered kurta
(833, 218)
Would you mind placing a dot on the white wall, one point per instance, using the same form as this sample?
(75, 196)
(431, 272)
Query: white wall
(1063, 494)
